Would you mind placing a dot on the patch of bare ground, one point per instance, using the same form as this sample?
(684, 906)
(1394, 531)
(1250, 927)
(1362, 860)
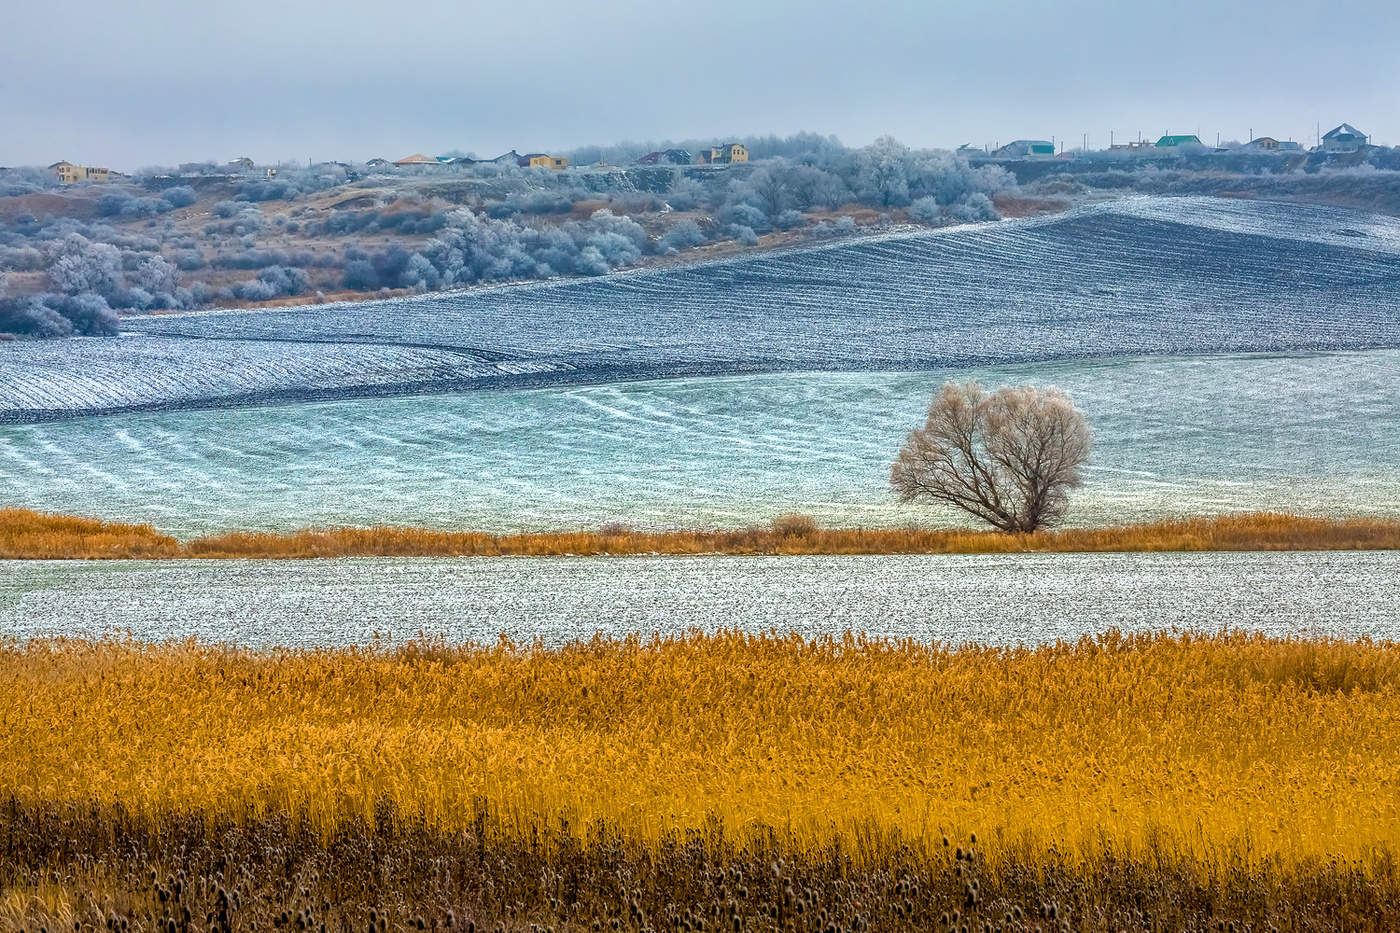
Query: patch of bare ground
(1013, 206)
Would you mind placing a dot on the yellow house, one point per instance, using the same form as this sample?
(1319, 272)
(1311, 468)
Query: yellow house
(723, 155)
(541, 160)
(68, 173)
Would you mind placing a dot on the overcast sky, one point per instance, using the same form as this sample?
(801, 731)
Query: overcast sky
(161, 82)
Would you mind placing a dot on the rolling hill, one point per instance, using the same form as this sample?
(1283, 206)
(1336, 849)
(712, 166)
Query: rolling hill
(1135, 277)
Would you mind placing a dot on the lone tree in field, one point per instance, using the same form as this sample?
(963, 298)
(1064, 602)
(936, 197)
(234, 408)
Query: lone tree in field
(1009, 457)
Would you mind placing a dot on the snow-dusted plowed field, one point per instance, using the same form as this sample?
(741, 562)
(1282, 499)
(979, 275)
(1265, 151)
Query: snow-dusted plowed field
(56, 377)
(1008, 599)
(1205, 434)
(1136, 277)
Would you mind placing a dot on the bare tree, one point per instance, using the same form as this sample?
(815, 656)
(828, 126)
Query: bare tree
(1009, 457)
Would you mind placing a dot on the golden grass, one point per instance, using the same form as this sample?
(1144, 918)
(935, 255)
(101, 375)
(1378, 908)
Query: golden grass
(1227, 749)
(38, 535)
(28, 534)
(1251, 531)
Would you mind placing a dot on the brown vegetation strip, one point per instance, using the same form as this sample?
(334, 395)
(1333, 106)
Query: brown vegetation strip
(67, 867)
(27, 534)
(39, 535)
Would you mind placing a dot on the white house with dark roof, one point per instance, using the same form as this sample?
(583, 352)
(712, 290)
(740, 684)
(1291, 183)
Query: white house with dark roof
(1026, 149)
(1345, 138)
(1270, 144)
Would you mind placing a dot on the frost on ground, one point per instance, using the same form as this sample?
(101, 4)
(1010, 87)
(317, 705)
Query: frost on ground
(1007, 599)
(94, 373)
(1194, 435)
(1143, 276)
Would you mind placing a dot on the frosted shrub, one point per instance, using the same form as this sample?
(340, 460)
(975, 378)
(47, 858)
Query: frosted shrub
(744, 235)
(978, 207)
(683, 235)
(926, 210)
(745, 215)
(787, 220)
(273, 282)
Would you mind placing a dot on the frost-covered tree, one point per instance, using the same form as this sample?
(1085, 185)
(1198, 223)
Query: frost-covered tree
(50, 315)
(882, 173)
(157, 275)
(21, 259)
(686, 194)
(813, 187)
(605, 222)
(770, 188)
(1009, 457)
(29, 316)
(87, 315)
(420, 274)
(472, 248)
(26, 180)
(273, 282)
(78, 265)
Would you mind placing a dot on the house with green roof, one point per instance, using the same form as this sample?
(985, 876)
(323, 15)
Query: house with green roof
(1180, 142)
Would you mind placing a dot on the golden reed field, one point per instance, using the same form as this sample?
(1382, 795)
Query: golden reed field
(28, 534)
(713, 782)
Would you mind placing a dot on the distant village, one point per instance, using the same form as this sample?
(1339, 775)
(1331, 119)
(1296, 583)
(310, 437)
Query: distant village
(1342, 139)
(727, 154)
(69, 173)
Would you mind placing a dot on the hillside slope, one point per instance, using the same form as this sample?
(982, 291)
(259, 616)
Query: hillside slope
(1136, 277)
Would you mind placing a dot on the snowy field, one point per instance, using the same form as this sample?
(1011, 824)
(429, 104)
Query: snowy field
(1148, 276)
(998, 600)
(1230, 355)
(46, 379)
(1311, 433)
